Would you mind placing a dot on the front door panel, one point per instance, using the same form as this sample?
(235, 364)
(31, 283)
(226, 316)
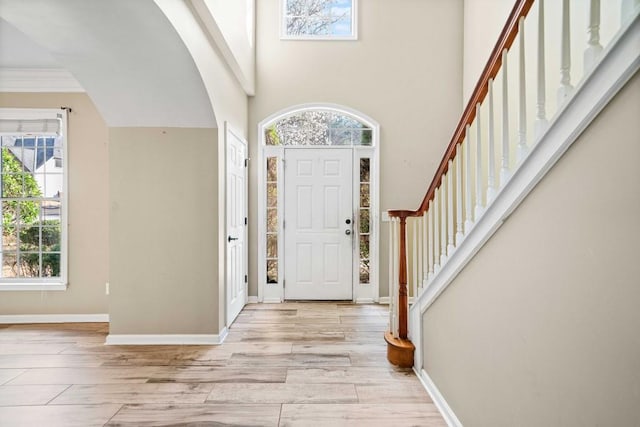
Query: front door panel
(318, 240)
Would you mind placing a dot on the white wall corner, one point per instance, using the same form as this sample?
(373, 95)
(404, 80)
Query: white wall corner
(252, 299)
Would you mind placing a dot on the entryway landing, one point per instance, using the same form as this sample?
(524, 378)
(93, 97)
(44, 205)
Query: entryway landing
(289, 364)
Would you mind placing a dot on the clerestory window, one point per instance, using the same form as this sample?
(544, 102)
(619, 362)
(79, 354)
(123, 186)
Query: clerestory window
(319, 19)
(33, 199)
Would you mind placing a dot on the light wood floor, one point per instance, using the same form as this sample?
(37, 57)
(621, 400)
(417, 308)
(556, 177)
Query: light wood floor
(306, 364)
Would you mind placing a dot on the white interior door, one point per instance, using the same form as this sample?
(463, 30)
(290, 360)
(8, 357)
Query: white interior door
(318, 229)
(236, 286)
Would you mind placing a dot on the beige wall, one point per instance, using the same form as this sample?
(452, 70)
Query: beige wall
(88, 165)
(541, 327)
(404, 71)
(162, 237)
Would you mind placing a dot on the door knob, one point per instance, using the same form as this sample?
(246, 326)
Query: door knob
(347, 232)
(231, 238)
(348, 221)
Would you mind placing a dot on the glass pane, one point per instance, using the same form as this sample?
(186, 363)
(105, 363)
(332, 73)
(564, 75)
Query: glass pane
(272, 195)
(364, 221)
(342, 26)
(29, 265)
(51, 237)
(9, 213)
(28, 212)
(271, 136)
(364, 247)
(272, 271)
(50, 210)
(272, 169)
(9, 237)
(364, 271)
(339, 136)
(272, 220)
(364, 195)
(366, 136)
(345, 122)
(9, 267)
(35, 185)
(51, 265)
(12, 185)
(29, 238)
(297, 25)
(272, 246)
(364, 170)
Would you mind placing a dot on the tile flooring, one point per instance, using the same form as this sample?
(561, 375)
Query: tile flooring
(292, 364)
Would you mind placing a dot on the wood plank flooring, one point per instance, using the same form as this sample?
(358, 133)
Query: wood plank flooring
(293, 364)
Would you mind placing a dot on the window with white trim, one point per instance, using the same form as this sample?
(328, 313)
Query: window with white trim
(33, 198)
(319, 19)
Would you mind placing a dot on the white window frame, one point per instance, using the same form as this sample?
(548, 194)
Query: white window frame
(323, 37)
(57, 283)
(362, 293)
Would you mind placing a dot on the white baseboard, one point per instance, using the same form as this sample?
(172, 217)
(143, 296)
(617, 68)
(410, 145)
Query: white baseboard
(271, 301)
(166, 339)
(252, 300)
(383, 300)
(53, 318)
(364, 301)
(442, 405)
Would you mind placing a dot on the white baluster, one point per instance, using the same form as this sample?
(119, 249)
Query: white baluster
(436, 232)
(628, 9)
(450, 222)
(443, 221)
(505, 170)
(541, 123)
(565, 88)
(523, 150)
(423, 239)
(491, 180)
(392, 243)
(431, 237)
(479, 206)
(414, 256)
(594, 48)
(459, 229)
(468, 218)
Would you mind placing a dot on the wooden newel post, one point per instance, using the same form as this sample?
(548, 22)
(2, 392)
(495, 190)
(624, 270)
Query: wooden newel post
(402, 276)
(400, 350)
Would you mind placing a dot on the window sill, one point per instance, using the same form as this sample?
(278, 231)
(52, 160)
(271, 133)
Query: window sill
(56, 286)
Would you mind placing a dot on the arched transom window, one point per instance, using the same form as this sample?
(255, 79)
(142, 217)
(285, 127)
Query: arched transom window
(319, 128)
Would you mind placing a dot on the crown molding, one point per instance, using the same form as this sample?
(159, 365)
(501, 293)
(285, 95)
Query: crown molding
(38, 80)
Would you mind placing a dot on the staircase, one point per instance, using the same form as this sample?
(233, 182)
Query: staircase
(529, 106)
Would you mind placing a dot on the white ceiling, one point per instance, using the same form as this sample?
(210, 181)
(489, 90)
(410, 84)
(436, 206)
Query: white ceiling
(19, 51)
(126, 55)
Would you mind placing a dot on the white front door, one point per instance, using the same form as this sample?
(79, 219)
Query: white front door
(236, 286)
(318, 228)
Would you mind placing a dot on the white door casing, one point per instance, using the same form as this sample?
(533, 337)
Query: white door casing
(318, 232)
(236, 214)
(270, 291)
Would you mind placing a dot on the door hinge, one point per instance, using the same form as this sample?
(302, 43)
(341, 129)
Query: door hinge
(283, 283)
(246, 279)
(283, 224)
(246, 220)
(246, 162)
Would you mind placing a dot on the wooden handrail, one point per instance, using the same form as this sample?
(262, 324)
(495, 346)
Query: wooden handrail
(507, 36)
(400, 350)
